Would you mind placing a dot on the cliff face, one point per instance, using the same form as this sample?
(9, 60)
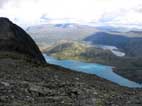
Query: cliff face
(13, 38)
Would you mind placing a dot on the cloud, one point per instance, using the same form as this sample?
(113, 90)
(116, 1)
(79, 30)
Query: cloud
(29, 12)
(2, 2)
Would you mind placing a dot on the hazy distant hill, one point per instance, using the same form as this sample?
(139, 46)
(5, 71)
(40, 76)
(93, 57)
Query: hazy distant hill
(51, 33)
(132, 33)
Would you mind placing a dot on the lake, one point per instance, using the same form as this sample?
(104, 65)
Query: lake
(102, 71)
(113, 49)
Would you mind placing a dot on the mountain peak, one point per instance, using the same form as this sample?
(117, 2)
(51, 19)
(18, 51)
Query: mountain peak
(3, 19)
(4, 24)
(14, 38)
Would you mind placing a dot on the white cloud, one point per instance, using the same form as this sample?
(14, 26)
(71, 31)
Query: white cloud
(108, 11)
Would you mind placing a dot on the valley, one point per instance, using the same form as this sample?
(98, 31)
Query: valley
(28, 79)
(129, 67)
(70, 52)
(119, 49)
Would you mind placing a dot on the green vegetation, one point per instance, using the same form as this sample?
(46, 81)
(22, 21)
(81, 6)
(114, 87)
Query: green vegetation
(70, 51)
(129, 67)
(78, 51)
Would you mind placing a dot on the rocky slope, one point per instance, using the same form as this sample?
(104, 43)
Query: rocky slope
(26, 83)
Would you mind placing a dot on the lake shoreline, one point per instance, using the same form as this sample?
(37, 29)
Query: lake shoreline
(100, 70)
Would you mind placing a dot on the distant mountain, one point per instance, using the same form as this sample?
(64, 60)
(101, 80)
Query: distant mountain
(66, 25)
(52, 33)
(136, 32)
(132, 46)
(112, 29)
(118, 28)
(24, 82)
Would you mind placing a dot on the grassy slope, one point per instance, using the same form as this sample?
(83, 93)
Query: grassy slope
(78, 51)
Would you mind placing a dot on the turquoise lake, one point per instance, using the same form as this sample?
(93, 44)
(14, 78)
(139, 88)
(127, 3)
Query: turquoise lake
(102, 71)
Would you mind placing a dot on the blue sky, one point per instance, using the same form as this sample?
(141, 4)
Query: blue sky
(99, 12)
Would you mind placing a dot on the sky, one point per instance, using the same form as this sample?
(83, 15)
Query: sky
(99, 12)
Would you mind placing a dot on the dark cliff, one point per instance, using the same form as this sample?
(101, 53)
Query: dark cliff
(14, 38)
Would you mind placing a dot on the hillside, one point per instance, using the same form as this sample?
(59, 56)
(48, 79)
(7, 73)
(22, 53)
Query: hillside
(24, 82)
(132, 46)
(129, 67)
(78, 51)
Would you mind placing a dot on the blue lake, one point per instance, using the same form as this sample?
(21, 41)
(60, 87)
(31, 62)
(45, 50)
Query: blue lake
(102, 71)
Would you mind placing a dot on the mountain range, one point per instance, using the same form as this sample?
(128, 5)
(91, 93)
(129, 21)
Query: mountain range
(62, 40)
(51, 33)
(26, 80)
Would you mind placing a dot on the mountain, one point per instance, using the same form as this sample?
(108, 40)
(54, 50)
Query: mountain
(52, 33)
(24, 82)
(137, 32)
(112, 29)
(129, 67)
(118, 28)
(79, 51)
(66, 25)
(132, 46)
(13, 38)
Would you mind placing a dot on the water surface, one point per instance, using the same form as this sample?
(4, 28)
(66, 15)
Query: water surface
(113, 49)
(102, 71)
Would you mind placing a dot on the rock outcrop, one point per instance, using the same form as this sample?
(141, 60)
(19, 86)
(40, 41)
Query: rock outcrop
(14, 38)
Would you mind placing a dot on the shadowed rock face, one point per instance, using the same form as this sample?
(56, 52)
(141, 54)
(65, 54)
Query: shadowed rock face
(14, 38)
